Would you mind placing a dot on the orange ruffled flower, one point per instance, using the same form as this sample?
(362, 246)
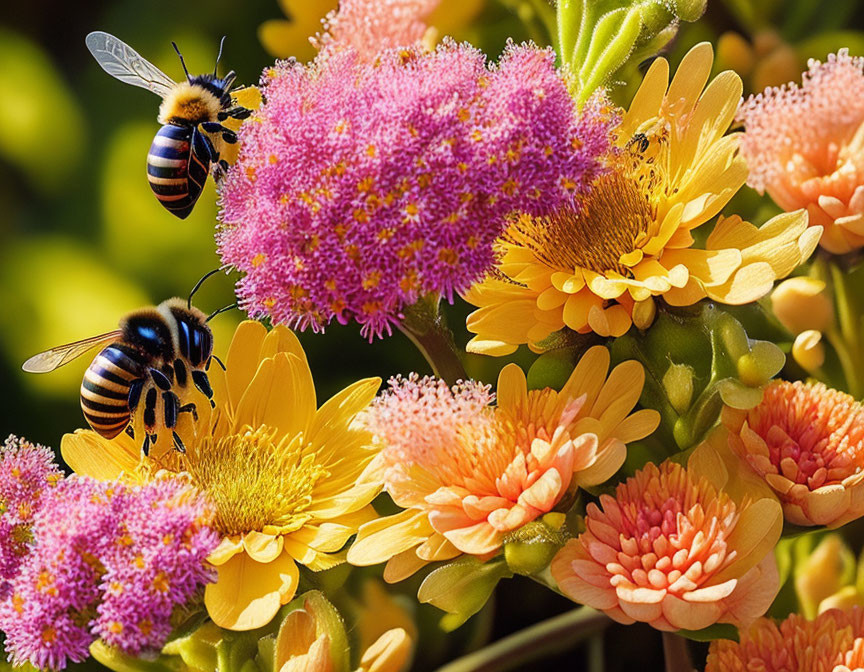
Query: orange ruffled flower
(678, 548)
(805, 147)
(807, 442)
(468, 473)
(832, 642)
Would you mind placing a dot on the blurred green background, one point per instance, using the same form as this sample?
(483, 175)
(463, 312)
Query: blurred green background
(82, 240)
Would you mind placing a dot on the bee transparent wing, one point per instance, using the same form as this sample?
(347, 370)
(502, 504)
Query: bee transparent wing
(63, 354)
(121, 61)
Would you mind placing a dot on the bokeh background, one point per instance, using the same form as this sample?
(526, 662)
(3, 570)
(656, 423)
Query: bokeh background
(82, 240)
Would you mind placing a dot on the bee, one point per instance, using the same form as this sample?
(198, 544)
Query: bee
(192, 137)
(156, 352)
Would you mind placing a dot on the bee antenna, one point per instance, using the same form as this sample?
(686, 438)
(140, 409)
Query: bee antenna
(219, 55)
(221, 310)
(199, 283)
(182, 62)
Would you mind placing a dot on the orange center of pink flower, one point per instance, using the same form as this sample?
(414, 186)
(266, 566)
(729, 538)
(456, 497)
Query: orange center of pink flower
(815, 435)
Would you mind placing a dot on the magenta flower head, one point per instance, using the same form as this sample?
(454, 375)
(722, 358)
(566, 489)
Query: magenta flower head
(107, 560)
(362, 187)
(26, 471)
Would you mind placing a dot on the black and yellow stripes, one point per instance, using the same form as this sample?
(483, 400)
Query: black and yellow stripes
(177, 167)
(106, 385)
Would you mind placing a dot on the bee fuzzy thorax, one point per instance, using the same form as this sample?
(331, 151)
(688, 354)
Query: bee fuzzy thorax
(189, 104)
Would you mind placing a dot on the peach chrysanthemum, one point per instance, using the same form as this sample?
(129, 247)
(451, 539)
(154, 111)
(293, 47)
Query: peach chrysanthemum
(468, 473)
(600, 265)
(676, 547)
(832, 642)
(807, 442)
(805, 147)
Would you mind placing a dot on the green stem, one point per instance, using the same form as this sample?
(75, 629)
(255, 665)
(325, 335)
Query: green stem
(426, 327)
(846, 339)
(536, 642)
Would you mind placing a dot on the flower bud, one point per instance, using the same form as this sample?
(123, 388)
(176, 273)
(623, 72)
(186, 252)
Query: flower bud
(678, 383)
(827, 569)
(808, 350)
(644, 313)
(802, 304)
(531, 548)
(735, 53)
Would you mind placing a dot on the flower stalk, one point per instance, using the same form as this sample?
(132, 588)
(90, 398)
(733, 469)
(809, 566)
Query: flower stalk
(534, 643)
(426, 327)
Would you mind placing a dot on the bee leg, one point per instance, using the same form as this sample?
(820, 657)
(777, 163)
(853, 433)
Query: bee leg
(202, 382)
(135, 389)
(150, 410)
(162, 381)
(178, 443)
(181, 372)
(171, 405)
(145, 447)
(218, 361)
(130, 431)
(189, 408)
(228, 135)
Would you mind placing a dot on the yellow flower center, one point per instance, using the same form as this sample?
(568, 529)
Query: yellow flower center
(254, 481)
(612, 220)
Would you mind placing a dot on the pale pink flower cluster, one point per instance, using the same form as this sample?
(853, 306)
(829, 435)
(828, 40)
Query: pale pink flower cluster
(804, 145)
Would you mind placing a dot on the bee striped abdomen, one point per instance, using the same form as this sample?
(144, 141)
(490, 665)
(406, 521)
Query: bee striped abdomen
(175, 170)
(105, 388)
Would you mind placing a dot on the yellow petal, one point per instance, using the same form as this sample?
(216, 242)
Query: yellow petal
(646, 103)
(381, 539)
(389, 653)
(400, 567)
(242, 361)
(512, 390)
(336, 414)
(749, 284)
(690, 77)
(89, 454)
(280, 396)
(262, 547)
(247, 594)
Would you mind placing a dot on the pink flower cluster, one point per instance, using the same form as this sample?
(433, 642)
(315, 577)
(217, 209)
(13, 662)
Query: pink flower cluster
(361, 187)
(106, 560)
(26, 471)
(416, 416)
(372, 25)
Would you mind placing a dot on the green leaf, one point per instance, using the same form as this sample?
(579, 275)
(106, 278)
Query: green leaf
(712, 632)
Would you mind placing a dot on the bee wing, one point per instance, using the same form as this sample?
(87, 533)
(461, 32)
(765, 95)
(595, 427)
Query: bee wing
(63, 354)
(121, 61)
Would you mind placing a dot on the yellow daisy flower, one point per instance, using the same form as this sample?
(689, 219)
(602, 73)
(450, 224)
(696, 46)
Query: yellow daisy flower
(599, 266)
(282, 475)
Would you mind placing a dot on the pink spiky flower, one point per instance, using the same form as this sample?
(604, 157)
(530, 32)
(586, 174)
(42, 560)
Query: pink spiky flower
(26, 471)
(362, 187)
(804, 145)
(106, 560)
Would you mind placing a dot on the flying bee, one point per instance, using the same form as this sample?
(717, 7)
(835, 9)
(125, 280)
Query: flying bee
(156, 352)
(192, 137)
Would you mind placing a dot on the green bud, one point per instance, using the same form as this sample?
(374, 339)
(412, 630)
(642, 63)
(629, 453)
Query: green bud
(678, 383)
(689, 10)
(462, 587)
(530, 549)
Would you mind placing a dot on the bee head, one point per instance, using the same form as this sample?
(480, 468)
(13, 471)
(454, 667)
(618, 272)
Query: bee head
(194, 338)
